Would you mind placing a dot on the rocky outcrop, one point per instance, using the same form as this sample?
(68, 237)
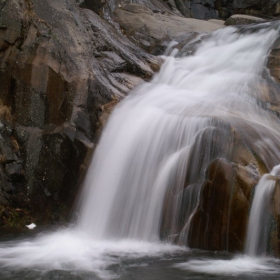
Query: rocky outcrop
(217, 219)
(56, 79)
(153, 31)
(243, 19)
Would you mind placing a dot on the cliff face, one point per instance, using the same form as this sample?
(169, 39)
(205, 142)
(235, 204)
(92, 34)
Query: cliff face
(60, 65)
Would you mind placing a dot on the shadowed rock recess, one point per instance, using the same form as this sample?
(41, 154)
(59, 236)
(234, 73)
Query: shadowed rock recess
(64, 64)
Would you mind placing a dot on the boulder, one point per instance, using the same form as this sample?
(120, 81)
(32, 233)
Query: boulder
(243, 19)
(204, 9)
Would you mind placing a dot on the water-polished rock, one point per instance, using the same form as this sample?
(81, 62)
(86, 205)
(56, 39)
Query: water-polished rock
(243, 19)
(150, 29)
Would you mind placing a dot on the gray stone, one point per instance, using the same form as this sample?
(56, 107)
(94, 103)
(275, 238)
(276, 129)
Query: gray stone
(7, 154)
(151, 29)
(242, 19)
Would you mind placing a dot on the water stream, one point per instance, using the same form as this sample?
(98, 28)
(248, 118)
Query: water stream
(259, 226)
(146, 150)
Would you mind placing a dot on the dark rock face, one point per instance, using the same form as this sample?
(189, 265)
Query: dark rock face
(58, 66)
(250, 7)
(206, 9)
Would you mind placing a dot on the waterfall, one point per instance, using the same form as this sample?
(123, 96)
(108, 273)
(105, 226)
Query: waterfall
(146, 146)
(257, 239)
(146, 176)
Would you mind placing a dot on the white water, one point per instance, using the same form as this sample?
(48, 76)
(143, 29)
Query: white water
(257, 239)
(145, 152)
(72, 250)
(148, 139)
(237, 266)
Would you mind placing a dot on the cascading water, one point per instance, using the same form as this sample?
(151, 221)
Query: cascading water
(259, 223)
(153, 141)
(146, 145)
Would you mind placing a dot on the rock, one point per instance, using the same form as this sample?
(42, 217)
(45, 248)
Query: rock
(206, 12)
(261, 8)
(242, 19)
(7, 154)
(224, 207)
(275, 213)
(266, 7)
(31, 142)
(151, 29)
(107, 8)
(55, 78)
(217, 21)
(274, 61)
(14, 170)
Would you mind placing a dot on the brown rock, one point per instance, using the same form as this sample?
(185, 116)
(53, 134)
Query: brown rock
(59, 65)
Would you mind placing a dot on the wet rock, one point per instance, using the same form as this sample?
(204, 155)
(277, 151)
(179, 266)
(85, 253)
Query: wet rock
(224, 208)
(274, 61)
(14, 170)
(157, 6)
(206, 11)
(7, 154)
(242, 19)
(270, 6)
(151, 29)
(55, 78)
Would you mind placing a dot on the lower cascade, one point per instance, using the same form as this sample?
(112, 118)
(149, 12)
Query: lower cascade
(177, 162)
(260, 221)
